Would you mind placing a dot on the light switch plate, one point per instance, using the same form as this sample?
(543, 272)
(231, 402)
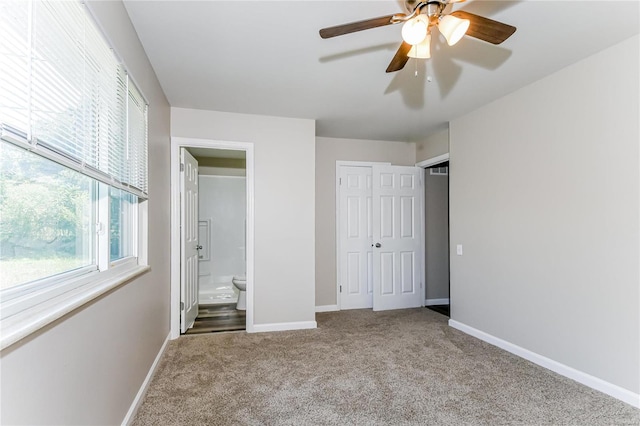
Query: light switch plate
(459, 249)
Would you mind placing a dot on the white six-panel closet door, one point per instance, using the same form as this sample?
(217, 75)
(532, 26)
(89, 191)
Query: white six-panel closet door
(397, 234)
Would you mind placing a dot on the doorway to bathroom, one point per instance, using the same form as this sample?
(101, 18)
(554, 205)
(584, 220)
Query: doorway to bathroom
(212, 236)
(221, 240)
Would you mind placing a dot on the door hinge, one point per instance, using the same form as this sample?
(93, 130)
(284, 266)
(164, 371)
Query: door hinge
(182, 167)
(340, 289)
(182, 306)
(420, 285)
(340, 181)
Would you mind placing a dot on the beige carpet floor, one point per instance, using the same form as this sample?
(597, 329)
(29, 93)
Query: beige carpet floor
(361, 367)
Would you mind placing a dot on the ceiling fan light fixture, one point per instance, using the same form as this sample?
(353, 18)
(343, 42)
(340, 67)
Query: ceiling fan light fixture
(414, 31)
(417, 28)
(421, 50)
(453, 29)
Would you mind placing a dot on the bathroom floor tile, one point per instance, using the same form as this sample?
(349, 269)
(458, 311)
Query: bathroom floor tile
(218, 317)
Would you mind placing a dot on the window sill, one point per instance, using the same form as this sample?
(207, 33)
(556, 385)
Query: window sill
(32, 319)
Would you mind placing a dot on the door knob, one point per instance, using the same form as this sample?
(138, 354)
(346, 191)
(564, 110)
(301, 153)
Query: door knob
(378, 245)
(198, 247)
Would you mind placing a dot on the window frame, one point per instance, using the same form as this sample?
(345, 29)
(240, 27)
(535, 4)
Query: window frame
(133, 218)
(31, 306)
(56, 302)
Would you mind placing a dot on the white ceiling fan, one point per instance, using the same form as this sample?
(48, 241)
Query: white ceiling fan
(421, 19)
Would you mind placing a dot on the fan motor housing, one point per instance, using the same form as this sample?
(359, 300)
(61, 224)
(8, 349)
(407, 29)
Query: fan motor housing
(431, 8)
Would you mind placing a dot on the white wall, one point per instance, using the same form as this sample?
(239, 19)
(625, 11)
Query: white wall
(432, 146)
(545, 200)
(223, 206)
(284, 157)
(87, 367)
(328, 151)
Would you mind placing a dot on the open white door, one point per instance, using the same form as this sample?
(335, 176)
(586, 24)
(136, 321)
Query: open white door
(188, 240)
(397, 233)
(356, 234)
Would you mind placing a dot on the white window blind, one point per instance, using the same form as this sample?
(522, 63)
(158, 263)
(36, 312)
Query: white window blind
(137, 137)
(65, 96)
(14, 64)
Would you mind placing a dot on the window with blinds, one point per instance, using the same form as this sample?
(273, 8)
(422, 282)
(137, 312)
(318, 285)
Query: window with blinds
(65, 96)
(73, 151)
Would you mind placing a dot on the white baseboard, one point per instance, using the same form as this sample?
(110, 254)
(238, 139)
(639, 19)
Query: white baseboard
(431, 302)
(327, 308)
(133, 409)
(593, 382)
(284, 326)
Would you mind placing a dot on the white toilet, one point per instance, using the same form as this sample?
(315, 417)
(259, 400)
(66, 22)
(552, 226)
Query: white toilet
(240, 281)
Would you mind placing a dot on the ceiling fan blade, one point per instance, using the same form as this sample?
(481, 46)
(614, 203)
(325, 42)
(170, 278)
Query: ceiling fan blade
(484, 28)
(400, 59)
(359, 26)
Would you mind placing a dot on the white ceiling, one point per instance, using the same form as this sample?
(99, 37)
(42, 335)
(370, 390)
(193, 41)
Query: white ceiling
(266, 57)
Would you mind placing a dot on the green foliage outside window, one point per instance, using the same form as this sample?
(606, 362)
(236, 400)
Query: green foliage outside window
(45, 212)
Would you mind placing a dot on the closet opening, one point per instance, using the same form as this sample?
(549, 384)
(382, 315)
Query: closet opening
(436, 219)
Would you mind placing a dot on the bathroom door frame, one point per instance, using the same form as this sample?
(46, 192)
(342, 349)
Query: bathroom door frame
(176, 144)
